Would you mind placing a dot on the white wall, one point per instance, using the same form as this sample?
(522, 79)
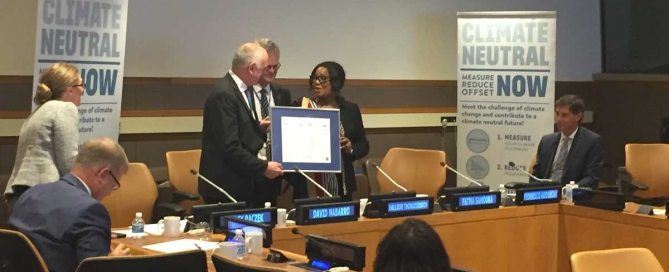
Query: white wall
(373, 39)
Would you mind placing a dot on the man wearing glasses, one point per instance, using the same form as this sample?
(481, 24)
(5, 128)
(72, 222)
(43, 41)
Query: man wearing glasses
(267, 95)
(65, 219)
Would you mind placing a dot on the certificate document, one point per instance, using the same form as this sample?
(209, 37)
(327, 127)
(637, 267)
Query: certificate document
(307, 139)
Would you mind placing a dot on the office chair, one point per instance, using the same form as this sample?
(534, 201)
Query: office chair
(223, 264)
(18, 254)
(182, 181)
(645, 176)
(192, 261)
(138, 193)
(614, 260)
(414, 169)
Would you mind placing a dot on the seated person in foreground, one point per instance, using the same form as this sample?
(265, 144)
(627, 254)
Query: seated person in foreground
(411, 246)
(64, 219)
(573, 153)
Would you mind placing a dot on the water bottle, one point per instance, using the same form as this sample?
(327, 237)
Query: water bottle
(502, 194)
(567, 191)
(137, 225)
(241, 244)
(571, 191)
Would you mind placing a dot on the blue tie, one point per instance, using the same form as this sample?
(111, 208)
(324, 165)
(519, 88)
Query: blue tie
(249, 96)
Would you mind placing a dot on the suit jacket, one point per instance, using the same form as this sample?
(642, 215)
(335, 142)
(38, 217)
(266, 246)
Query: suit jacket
(584, 161)
(280, 95)
(231, 139)
(64, 221)
(48, 143)
(354, 130)
(272, 188)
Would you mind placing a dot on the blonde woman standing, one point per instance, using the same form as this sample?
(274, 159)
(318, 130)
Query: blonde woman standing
(48, 140)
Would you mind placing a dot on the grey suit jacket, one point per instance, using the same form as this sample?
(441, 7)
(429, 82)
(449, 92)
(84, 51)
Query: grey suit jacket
(48, 143)
(584, 161)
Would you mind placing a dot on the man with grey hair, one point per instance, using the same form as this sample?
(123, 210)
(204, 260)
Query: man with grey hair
(269, 94)
(232, 134)
(65, 219)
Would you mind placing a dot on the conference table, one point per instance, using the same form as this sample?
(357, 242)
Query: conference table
(517, 238)
(251, 261)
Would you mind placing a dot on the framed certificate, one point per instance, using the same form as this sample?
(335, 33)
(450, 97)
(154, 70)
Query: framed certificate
(306, 138)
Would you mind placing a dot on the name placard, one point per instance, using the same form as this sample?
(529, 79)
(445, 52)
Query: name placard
(472, 201)
(264, 215)
(541, 195)
(406, 206)
(327, 213)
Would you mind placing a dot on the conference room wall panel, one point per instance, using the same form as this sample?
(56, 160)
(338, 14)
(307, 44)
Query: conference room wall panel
(373, 39)
(174, 97)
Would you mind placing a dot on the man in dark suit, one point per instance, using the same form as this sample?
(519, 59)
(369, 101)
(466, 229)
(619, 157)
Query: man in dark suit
(65, 219)
(279, 97)
(233, 133)
(574, 153)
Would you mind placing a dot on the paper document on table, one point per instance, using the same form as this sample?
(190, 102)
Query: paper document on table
(181, 245)
(307, 138)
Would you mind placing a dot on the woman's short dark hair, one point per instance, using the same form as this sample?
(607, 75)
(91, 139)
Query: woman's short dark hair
(336, 73)
(411, 246)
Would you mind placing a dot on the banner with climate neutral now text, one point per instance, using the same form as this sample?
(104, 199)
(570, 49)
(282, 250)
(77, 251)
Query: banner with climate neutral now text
(89, 34)
(506, 91)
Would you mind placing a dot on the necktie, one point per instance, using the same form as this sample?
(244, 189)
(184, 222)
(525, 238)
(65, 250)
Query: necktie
(560, 161)
(264, 103)
(249, 96)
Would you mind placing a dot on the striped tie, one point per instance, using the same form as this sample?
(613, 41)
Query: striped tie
(264, 103)
(560, 161)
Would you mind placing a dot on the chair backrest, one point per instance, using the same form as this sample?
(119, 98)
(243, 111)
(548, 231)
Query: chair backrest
(191, 261)
(414, 169)
(646, 164)
(225, 265)
(179, 164)
(138, 193)
(18, 254)
(613, 260)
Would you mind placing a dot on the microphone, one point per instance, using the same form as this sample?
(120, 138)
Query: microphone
(388, 177)
(297, 232)
(297, 169)
(443, 164)
(192, 171)
(512, 164)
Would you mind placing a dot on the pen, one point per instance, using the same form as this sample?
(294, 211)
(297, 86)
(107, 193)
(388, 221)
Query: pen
(196, 245)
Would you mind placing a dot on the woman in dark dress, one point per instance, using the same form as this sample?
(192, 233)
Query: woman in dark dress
(326, 82)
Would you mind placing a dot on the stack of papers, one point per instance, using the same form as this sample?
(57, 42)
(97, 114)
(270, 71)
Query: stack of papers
(182, 245)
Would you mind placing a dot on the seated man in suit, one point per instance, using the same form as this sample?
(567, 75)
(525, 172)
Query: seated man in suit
(65, 219)
(574, 153)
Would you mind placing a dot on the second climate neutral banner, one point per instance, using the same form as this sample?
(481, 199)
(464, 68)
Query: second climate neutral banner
(506, 91)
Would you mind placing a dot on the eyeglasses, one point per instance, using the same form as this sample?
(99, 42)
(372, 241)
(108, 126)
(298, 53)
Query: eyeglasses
(275, 67)
(118, 184)
(83, 85)
(321, 79)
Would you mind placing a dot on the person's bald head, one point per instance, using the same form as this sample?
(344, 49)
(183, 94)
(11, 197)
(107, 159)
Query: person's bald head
(101, 163)
(249, 62)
